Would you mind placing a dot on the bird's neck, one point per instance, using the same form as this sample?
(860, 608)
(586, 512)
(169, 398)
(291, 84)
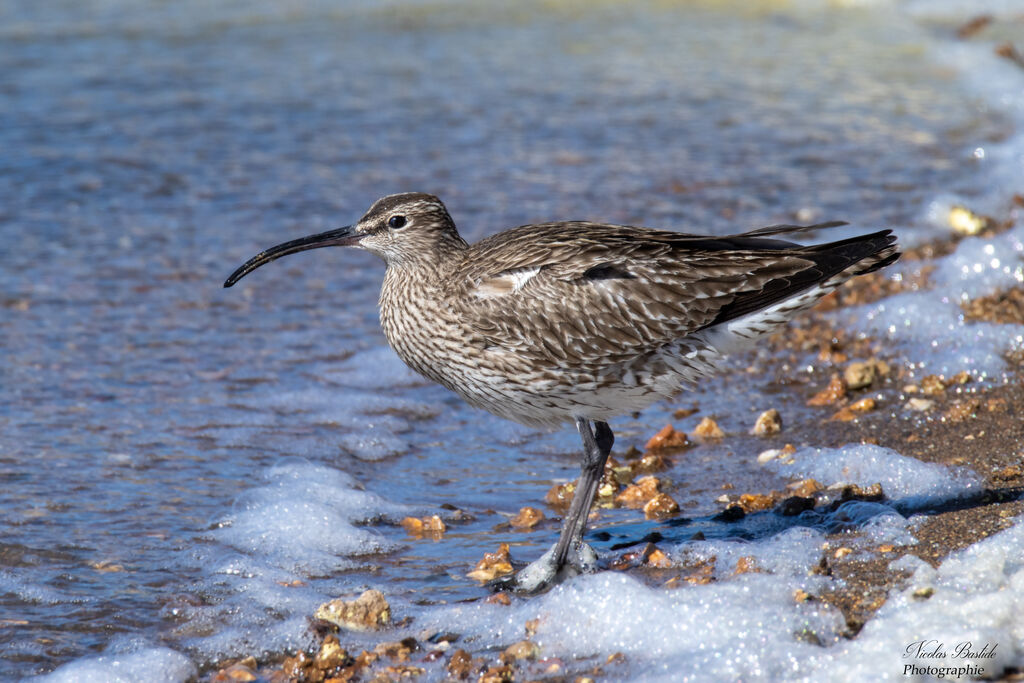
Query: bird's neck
(424, 260)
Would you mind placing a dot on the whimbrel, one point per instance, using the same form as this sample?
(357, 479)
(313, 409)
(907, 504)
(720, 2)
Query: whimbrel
(580, 322)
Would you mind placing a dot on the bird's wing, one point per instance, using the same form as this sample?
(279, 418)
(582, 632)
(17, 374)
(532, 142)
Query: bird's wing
(585, 293)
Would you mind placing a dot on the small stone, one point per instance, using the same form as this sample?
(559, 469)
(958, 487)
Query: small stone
(704, 574)
(840, 553)
(746, 565)
(658, 560)
(961, 410)
(1009, 473)
(680, 413)
(628, 560)
(552, 666)
(615, 658)
(527, 518)
(924, 593)
(412, 526)
(872, 493)
(756, 502)
(706, 430)
(858, 375)
(369, 611)
(831, 394)
(733, 513)
(396, 672)
(932, 385)
(843, 415)
(852, 411)
(864, 405)
(530, 627)
(500, 598)
(667, 439)
(497, 674)
(966, 222)
(430, 527)
(524, 649)
(959, 379)
(800, 595)
(650, 462)
(364, 659)
(460, 664)
(635, 496)
(607, 488)
(397, 649)
(492, 565)
(331, 655)
(996, 405)
(774, 453)
(295, 667)
(560, 495)
(919, 405)
(794, 505)
(805, 488)
(886, 548)
(662, 505)
(235, 672)
(769, 422)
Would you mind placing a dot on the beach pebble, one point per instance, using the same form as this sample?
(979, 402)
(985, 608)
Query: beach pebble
(369, 611)
(431, 527)
(831, 394)
(635, 496)
(662, 505)
(492, 565)
(527, 518)
(860, 374)
(769, 422)
(707, 429)
(667, 439)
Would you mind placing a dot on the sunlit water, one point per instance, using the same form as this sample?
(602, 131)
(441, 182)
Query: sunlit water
(172, 454)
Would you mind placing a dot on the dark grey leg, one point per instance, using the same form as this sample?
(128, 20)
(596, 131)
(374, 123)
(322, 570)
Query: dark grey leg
(597, 445)
(570, 555)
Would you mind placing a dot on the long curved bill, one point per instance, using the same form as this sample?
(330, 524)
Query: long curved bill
(342, 237)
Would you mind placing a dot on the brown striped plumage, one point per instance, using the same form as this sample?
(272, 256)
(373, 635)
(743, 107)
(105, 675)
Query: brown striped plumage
(579, 321)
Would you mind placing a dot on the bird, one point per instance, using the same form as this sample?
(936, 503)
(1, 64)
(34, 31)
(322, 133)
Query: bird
(580, 322)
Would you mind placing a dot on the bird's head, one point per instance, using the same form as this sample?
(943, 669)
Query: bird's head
(400, 228)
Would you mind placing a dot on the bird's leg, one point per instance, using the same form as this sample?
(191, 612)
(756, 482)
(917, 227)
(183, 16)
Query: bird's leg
(597, 445)
(570, 555)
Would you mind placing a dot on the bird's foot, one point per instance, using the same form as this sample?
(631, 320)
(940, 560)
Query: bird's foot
(544, 573)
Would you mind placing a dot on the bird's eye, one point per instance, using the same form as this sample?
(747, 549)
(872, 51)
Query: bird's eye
(396, 221)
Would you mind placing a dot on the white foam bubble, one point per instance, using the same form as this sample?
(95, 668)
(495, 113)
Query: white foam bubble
(977, 597)
(929, 325)
(373, 445)
(930, 328)
(981, 266)
(742, 627)
(866, 464)
(156, 664)
(265, 562)
(750, 627)
(303, 519)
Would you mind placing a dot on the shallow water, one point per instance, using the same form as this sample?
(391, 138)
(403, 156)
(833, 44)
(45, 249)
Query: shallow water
(172, 453)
